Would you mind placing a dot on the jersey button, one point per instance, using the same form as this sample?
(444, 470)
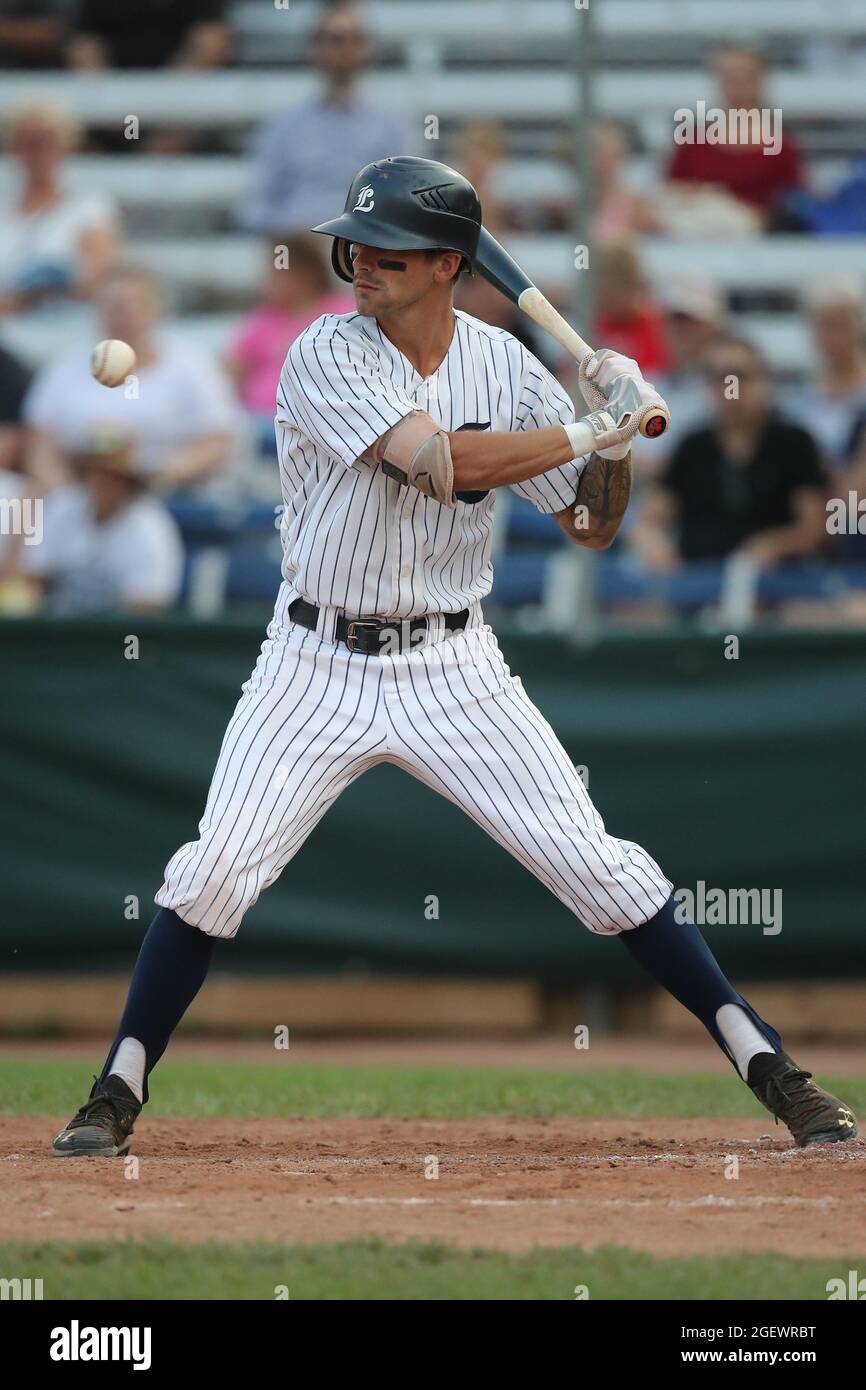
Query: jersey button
(405, 571)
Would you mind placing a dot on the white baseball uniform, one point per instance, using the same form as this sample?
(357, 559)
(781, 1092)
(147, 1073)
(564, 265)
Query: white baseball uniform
(313, 715)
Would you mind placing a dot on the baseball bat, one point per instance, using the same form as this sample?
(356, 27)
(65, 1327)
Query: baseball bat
(495, 264)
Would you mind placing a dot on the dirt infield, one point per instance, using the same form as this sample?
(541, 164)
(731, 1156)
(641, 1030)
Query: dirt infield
(655, 1185)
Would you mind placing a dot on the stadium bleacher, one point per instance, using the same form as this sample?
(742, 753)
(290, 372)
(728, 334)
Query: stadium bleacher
(231, 270)
(460, 62)
(447, 59)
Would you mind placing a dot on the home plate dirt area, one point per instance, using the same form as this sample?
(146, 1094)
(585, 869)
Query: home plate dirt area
(652, 1184)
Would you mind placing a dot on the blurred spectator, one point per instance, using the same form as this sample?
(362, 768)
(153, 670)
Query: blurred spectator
(620, 211)
(177, 407)
(852, 490)
(479, 154)
(838, 211)
(305, 158)
(55, 244)
(694, 314)
(33, 32)
(106, 543)
(150, 34)
(747, 482)
(740, 166)
(14, 380)
(627, 318)
(836, 395)
(297, 290)
(20, 526)
(856, 455)
(844, 605)
(849, 488)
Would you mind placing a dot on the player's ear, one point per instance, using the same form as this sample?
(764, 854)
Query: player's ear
(447, 266)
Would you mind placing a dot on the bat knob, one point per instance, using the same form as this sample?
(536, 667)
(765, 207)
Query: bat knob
(655, 425)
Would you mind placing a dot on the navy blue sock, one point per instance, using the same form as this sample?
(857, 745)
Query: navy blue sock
(170, 971)
(676, 955)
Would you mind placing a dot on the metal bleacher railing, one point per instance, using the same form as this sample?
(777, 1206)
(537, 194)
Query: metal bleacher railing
(238, 97)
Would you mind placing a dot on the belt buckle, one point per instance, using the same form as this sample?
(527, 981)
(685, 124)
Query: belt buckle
(351, 639)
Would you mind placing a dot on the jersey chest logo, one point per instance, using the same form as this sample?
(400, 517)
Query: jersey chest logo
(472, 496)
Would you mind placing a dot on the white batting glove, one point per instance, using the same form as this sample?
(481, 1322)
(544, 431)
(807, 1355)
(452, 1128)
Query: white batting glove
(605, 378)
(599, 370)
(609, 432)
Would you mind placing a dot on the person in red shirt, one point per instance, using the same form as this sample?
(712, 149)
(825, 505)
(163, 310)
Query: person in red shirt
(740, 165)
(627, 318)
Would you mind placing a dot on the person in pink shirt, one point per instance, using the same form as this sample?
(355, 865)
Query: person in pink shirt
(297, 290)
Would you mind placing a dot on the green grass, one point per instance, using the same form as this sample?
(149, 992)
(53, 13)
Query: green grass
(371, 1269)
(374, 1270)
(320, 1092)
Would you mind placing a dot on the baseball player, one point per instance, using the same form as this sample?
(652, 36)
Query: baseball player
(396, 424)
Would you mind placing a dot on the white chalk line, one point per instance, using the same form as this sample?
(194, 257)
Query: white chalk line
(529, 1163)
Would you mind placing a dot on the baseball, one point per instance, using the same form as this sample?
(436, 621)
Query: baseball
(111, 361)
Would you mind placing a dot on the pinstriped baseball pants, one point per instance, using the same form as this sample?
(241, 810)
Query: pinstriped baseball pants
(313, 716)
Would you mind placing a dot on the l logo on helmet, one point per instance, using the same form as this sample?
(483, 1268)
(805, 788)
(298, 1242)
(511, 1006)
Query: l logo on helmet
(365, 199)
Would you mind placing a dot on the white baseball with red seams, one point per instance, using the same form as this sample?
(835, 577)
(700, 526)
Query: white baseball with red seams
(314, 715)
(111, 361)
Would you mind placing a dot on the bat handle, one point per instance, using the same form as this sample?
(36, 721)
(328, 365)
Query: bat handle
(542, 312)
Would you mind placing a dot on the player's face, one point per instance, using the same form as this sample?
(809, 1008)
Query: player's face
(387, 281)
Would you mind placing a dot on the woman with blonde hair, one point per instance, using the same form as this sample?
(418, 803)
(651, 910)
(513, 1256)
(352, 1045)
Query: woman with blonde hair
(835, 392)
(56, 243)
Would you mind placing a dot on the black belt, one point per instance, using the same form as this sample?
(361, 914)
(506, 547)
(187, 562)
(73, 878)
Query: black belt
(365, 635)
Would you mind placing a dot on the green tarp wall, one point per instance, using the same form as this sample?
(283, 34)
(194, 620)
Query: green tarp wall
(744, 773)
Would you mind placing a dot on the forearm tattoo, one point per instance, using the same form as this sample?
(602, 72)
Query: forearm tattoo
(603, 491)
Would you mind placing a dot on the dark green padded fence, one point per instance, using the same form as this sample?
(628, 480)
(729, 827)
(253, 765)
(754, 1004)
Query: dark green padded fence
(744, 773)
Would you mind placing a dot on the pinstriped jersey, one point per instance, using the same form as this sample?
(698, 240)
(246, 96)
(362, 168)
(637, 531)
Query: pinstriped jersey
(352, 537)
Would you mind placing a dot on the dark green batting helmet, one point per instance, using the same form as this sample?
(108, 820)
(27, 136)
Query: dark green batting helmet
(406, 204)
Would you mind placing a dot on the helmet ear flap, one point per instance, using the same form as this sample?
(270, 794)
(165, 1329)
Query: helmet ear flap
(341, 260)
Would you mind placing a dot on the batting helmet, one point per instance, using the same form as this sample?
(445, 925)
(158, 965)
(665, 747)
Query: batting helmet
(406, 204)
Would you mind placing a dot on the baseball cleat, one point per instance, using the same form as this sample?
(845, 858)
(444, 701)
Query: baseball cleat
(813, 1116)
(103, 1125)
